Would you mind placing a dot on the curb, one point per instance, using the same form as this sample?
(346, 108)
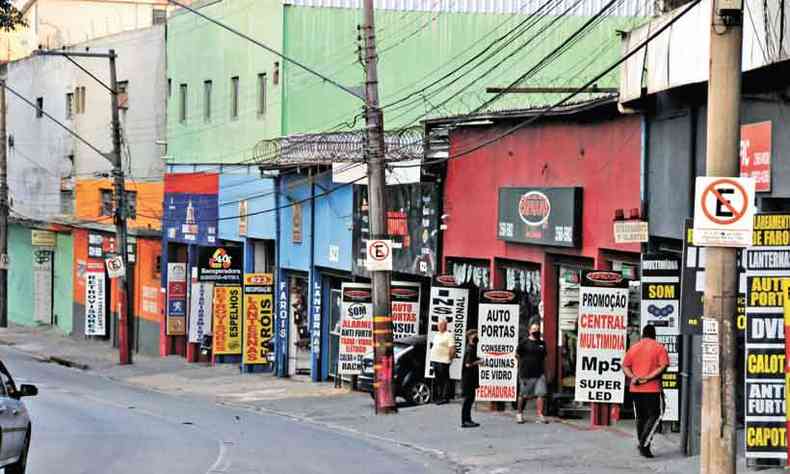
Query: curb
(67, 363)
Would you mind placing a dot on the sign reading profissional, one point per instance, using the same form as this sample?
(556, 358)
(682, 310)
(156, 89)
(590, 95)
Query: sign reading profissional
(451, 303)
(600, 348)
(723, 212)
(497, 322)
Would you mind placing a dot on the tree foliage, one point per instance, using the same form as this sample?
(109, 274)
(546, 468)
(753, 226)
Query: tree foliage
(10, 16)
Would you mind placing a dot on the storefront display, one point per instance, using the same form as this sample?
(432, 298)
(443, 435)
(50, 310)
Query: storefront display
(300, 325)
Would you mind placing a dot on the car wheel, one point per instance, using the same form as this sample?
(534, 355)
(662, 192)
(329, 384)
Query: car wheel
(20, 466)
(419, 393)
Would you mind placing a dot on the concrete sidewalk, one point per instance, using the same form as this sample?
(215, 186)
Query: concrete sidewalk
(499, 446)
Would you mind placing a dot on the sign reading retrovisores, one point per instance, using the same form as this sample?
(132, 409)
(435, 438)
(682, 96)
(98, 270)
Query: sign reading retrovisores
(176, 299)
(547, 216)
(94, 304)
(600, 348)
(405, 298)
(767, 264)
(220, 264)
(200, 311)
(451, 303)
(723, 211)
(756, 154)
(258, 318)
(497, 324)
(227, 320)
(356, 327)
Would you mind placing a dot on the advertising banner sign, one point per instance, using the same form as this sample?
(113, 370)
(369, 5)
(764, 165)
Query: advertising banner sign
(405, 309)
(258, 318)
(94, 304)
(543, 216)
(200, 311)
(600, 347)
(661, 294)
(450, 303)
(227, 320)
(756, 154)
(497, 328)
(767, 265)
(176, 299)
(42, 286)
(220, 264)
(356, 327)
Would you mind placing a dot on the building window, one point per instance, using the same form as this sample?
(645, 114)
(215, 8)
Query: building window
(123, 95)
(79, 100)
(67, 202)
(39, 107)
(207, 88)
(169, 88)
(69, 105)
(234, 97)
(107, 205)
(159, 16)
(182, 111)
(131, 204)
(261, 95)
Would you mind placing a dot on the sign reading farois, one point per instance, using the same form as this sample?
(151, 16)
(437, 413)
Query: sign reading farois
(94, 304)
(450, 303)
(227, 320)
(497, 323)
(547, 216)
(220, 264)
(600, 348)
(356, 327)
(258, 318)
(405, 309)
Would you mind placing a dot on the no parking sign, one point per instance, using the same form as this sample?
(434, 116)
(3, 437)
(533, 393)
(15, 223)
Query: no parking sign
(723, 212)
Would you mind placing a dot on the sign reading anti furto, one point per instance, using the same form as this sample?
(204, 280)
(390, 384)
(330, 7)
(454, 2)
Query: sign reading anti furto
(600, 348)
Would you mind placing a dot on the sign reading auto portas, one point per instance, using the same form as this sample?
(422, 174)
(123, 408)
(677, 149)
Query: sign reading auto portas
(546, 216)
(221, 264)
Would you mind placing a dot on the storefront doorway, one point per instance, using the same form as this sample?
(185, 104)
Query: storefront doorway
(299, 344)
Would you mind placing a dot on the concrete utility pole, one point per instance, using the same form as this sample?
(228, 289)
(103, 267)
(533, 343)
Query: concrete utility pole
(382, 318)
(3, 210)
(718, 445)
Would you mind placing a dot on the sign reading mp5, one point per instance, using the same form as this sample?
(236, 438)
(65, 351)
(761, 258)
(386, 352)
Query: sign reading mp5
(545, 216)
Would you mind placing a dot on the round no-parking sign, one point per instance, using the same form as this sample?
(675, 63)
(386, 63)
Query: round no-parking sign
(723, 212)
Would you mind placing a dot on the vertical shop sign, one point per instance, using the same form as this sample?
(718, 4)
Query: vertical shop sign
(405, 298)
(600, 348)
(258, 318)
(356, 327)
(227, 320)
(783, 396)
(296, 223)
(243, 218)
(200, 311)
(94, 304)
(315, 331)
(498, 322)
(450, 303)
(756, 154)
(42, 286)
(176, 299)
(281, 351)
(767, 264)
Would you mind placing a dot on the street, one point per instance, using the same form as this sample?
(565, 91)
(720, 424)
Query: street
(84, 424)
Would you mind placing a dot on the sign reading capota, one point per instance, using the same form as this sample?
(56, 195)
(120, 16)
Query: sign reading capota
(220, 264)
(547, 216)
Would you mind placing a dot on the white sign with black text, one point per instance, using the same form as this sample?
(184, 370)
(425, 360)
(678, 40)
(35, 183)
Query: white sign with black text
(200, 311)
(94, 304)
(451, 304)
(497, 323)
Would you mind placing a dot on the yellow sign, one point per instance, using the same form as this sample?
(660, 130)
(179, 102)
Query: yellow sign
(227, 320)
(43, 238)
(258, 318)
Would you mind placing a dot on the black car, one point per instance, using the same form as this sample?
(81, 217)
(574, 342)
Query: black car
(409, 375)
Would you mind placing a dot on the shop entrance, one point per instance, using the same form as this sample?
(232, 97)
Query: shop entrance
(334, 330)
(299, 355)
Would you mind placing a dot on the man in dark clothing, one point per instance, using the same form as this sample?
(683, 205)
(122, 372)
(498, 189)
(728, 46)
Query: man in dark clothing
(531, 354)
(470, 379)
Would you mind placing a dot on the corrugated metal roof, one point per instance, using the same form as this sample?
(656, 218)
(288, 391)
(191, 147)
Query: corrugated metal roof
(626, 8)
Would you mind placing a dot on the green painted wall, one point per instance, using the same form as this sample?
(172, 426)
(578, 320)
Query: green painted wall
(20, 281)
(197, 51)
(416, 48)
(63, 267)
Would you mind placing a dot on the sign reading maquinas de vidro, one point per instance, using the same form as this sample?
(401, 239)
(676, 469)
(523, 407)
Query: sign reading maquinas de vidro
(220, 264)
(546, 216)
(600, 347)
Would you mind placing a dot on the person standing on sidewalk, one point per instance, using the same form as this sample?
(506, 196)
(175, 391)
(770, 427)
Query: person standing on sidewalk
(470, 379)
(531, 355)
(644, 363)
(442, 354)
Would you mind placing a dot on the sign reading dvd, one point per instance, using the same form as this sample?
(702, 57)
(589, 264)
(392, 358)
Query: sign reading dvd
(546, 216)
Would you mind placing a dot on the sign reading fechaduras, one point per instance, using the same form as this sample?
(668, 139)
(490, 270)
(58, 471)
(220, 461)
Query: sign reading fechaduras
(94, 304)
(200, 311)
(451, 303)
(767, 265)
(497, 323)
(405, 309)
(600, 348)
(258, 318)
(547, 216)
(227, 320)
(356, 327)
(220, 264)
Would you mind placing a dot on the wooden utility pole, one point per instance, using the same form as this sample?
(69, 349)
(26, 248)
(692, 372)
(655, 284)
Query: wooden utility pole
(374, 149)
(3, 210)
(718, 445)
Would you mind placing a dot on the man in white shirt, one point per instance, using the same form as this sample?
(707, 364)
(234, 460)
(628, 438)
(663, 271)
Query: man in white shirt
(442, 354)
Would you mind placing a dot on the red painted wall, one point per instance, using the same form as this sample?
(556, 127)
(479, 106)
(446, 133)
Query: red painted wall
(602, 157)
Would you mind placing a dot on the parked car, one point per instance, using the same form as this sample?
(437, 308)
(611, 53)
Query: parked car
(15, 425)
(409, 374)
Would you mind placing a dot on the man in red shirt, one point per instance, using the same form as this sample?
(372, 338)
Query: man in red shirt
(643, 364)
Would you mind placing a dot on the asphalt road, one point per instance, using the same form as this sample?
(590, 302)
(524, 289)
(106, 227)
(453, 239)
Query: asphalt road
(85, 424)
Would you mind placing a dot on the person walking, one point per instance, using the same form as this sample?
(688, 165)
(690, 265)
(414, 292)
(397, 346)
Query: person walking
(644, 363)
(531, 355)
(470, 379)
(442, 355)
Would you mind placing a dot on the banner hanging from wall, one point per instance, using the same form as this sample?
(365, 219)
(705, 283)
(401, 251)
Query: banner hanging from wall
(451, 303)
(95, 304)
(603, 330)
(767, 264)
(405, 309)
(258, 318)
(356, 327)
(200, 311)
(227, 320)
(497, 323)
(176, 299)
